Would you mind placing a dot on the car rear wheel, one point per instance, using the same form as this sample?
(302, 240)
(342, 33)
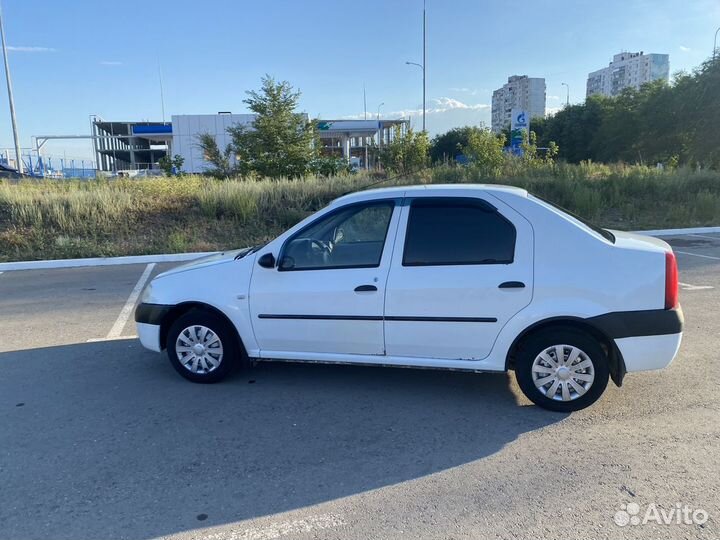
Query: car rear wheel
(562, 369)
(202, 346)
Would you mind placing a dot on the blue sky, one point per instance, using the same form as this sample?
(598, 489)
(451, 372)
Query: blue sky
(74, 58)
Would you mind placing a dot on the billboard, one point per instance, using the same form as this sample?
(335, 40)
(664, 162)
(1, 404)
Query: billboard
(519, 130)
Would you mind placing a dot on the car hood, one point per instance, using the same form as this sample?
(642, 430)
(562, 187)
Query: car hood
(210, 260)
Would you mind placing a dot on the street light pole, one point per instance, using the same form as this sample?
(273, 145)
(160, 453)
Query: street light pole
(424, 63)
(423, 74)
(378, 111)
(567, 100)
(18, 157)
(422, 66)
(715, 42)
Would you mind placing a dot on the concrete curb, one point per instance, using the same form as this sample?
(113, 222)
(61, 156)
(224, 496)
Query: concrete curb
(102, 261)
(180, 257)
(674, 232)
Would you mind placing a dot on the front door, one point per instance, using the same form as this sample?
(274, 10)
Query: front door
(326, 294)
(464, 268)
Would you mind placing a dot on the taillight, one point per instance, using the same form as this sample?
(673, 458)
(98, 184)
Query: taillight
(671, 280)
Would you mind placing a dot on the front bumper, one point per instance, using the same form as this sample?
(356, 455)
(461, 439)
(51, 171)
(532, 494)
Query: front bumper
(148, 318)
(149, 335)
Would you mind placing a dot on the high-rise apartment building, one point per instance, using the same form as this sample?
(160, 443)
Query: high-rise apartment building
(628, 70)
(520, 92)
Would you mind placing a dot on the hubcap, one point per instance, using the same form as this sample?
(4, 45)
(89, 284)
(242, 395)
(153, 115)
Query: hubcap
(199, 349)
(563, 372)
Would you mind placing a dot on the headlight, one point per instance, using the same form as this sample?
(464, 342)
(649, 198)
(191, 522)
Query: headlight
(146, 294)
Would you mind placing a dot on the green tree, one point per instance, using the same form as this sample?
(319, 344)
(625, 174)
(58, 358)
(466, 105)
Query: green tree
(671, 123)
(280, 142)
(532, 154)
(171, 165)
(447, 146)
(485, 150)
(405, 153)
(221, 160)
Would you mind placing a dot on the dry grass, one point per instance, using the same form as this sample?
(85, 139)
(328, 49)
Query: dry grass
(80, 218)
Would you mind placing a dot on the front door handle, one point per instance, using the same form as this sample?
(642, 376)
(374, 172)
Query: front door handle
(365, 288)
(511, 285)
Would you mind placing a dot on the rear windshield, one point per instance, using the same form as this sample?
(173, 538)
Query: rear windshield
(602, 232)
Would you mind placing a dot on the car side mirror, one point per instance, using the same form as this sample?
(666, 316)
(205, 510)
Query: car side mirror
(267, 260)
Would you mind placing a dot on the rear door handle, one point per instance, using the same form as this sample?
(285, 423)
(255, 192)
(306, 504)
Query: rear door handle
(512, 285)
(365, 288)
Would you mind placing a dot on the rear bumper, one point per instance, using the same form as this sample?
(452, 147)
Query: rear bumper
(650, 322)
(647, 339)
(648, 352)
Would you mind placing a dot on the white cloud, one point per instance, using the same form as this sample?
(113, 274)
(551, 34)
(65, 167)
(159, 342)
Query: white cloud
(110, 63)
(556, 98)
(24, 48)
(549, 111)
(685, 49)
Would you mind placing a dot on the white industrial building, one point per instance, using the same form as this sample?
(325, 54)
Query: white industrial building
(628, 70)
(186, 128)
(521, 92)
(135, 147)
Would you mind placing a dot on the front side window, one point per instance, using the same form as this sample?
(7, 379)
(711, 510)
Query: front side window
(351, 237)
(455, 232)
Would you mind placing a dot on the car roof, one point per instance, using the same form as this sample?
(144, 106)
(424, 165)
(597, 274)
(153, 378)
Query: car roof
(400, 191)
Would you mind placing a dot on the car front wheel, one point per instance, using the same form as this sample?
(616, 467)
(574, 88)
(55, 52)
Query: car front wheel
(202, 346)
(562, 370)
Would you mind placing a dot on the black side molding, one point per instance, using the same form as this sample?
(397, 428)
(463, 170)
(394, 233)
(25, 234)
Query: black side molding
(375, 318)
(151, 313)
(320, 317)
(651, 322)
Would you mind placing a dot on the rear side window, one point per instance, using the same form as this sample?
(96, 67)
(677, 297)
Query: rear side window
(457, 231)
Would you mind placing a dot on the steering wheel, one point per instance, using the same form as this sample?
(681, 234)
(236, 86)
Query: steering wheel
(324, 248)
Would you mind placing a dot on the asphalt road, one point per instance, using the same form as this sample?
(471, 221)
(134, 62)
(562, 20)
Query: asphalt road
(103, 440)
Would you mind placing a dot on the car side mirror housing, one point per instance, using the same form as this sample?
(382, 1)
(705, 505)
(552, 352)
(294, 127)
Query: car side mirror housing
(266, 260)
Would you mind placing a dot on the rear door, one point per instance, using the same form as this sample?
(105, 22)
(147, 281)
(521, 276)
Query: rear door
(461, 268)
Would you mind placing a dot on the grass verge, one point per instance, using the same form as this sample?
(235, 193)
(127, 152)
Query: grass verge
(78, 218)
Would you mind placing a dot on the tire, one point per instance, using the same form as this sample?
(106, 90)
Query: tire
(535, 362)
(220, 349)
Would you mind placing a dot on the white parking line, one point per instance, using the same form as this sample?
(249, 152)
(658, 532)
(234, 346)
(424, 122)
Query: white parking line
(698, 255)
(99, 339)
(688, 287)
(704, 236)
(125, 312)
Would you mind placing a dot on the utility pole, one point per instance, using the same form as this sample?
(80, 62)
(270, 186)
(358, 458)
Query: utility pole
(567, 100)
(162, 95)
(18, 157)
(365, 139)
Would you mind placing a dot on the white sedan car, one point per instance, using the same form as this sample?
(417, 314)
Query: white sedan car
(464, 277)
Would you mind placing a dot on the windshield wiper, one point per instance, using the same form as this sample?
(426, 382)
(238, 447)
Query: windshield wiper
(249, 251)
